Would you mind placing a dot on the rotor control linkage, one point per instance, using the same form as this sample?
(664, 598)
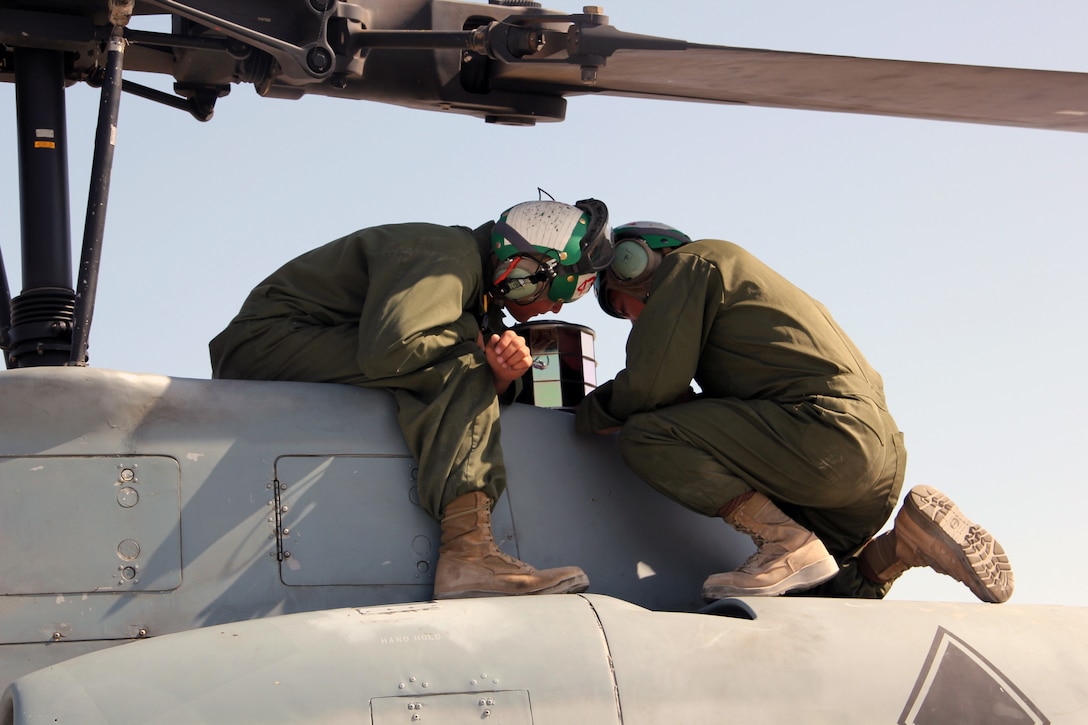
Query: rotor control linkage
(5, 311)
(97, 197)
(518, 41)
(589, 40)
(315, 60)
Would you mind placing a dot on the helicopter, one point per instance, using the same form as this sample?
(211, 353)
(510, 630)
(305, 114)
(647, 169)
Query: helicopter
(223, 437)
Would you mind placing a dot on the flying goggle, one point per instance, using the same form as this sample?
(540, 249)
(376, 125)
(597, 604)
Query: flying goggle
(520, 285)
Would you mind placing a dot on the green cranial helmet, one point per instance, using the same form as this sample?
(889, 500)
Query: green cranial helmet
(637, 254)
(548, 245)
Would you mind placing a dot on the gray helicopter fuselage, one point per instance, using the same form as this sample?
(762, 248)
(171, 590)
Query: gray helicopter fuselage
(264, 540)
(138, 505)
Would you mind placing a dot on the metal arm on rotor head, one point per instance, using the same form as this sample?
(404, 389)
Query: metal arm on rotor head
(5, 306)
(315, 60)
(588, 40)
(98, 195)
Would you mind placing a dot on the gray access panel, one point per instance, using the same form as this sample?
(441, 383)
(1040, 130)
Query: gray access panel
(334, 525)
(510, 707)
(88, 524)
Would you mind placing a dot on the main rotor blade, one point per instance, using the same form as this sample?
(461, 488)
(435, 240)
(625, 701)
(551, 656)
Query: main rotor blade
(938, 91)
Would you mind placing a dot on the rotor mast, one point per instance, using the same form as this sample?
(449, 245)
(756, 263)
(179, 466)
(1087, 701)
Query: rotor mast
(41, 317)
(49, 323)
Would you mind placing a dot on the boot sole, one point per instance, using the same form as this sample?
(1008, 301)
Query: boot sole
(573, 585)
(815, 573)
(965, 551)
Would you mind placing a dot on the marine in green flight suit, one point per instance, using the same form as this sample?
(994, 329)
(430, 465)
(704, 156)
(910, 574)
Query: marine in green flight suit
(789, 440)
(396, 307)
(401, 307)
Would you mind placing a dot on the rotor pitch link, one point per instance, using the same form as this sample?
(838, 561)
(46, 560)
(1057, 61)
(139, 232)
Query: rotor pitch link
(518, 41)
(315, 59)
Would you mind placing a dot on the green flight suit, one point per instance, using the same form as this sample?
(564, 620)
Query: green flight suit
(789, 407)
(397, 307)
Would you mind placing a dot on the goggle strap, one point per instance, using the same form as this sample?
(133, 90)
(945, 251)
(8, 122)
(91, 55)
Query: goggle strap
(514, 237)
(522, 244)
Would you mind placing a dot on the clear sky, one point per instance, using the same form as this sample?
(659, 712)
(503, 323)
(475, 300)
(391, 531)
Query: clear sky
(953, 254)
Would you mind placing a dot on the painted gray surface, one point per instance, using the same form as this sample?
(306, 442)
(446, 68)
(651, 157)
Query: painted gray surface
(556, 660)
(141, 507)
(217, 462)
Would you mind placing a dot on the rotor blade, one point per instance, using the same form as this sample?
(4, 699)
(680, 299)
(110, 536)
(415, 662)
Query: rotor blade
(938, 91)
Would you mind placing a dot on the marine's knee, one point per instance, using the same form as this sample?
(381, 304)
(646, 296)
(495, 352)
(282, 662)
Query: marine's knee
(646, 429)
(644, 443)
(628, 437)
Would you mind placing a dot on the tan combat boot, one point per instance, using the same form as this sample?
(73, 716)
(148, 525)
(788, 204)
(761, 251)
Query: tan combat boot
(930, 530)
(470, 565)
(788, 557)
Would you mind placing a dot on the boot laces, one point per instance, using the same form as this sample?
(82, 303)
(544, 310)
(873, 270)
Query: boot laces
(501, 555)
(758, 555)
(468, 512)
(495, 552)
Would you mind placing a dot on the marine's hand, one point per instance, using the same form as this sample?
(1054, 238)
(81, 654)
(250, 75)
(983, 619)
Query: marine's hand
(509, 357)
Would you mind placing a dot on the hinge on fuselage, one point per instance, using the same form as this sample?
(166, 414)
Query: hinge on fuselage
(276, 519)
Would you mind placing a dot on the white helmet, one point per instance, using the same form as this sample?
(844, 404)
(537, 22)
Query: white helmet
(550, 246)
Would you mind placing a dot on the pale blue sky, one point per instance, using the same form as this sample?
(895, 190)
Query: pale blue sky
(953, 254)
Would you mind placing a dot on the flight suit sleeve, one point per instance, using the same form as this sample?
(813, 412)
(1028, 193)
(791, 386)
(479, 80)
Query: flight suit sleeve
(664, 347)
